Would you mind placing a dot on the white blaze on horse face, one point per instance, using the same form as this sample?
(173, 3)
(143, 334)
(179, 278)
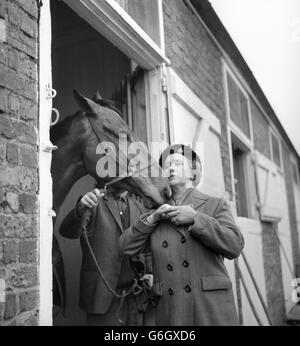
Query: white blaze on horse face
(140, 161)
(123, 154)
(106, 166)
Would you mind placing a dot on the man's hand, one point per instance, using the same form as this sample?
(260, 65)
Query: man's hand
(159, 214)
(91, 199)
(181, 215)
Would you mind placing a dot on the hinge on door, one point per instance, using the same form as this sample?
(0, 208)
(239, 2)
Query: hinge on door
(51, 213)
(50, 92)
(49, 147)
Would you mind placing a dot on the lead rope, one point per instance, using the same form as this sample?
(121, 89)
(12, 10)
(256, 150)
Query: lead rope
(132, 289)
(135, 288)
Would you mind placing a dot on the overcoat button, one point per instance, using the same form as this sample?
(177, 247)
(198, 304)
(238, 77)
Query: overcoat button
(188, 288)
(170, 291)
(165, 244)
(182, 240)
(170, 267)
(185, 264)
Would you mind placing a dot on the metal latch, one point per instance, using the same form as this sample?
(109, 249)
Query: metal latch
(52, 213)
(48, 148)
(50, 92)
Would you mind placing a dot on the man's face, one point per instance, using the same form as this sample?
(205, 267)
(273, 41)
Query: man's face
(178, 169)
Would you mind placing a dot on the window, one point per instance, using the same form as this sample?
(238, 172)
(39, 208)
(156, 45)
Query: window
(275, 146)
(146, 15)
(238, 107)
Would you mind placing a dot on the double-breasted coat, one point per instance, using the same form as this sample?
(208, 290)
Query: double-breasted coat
(189, 262)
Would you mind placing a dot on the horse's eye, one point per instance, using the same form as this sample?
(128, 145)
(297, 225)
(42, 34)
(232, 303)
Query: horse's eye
(108, 150)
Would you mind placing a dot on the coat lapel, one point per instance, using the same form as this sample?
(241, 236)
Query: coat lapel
(197, 198)
(133, 210)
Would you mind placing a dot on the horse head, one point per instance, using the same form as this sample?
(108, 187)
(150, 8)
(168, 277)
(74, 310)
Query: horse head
(82, 143)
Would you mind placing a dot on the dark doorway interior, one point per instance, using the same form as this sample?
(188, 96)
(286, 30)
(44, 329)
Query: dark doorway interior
(239, 153)
(82, 59)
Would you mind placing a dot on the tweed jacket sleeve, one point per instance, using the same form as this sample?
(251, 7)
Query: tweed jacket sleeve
(219, 233)
(71, 226)
(135, 239)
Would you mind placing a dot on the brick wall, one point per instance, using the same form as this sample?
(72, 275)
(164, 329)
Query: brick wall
(287, 166)
(19, 162)
(197, 61)
(273, 274)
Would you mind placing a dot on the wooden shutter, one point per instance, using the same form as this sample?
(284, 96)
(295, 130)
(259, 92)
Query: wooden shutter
(267, 185)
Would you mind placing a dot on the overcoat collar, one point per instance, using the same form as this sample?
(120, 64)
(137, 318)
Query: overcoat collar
(197, 198)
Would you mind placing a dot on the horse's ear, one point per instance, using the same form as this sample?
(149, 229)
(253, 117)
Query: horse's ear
(97, 98)
(84, 103)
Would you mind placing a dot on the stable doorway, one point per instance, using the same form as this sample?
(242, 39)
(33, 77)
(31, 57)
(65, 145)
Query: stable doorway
(84, 60)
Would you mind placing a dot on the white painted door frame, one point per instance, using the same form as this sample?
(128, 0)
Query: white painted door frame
(45, 157)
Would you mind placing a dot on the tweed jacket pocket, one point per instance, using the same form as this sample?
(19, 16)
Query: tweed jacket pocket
(211, 283)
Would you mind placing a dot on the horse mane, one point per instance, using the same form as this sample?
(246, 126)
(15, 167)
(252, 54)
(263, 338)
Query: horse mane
(112, 105)
(62, 127)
